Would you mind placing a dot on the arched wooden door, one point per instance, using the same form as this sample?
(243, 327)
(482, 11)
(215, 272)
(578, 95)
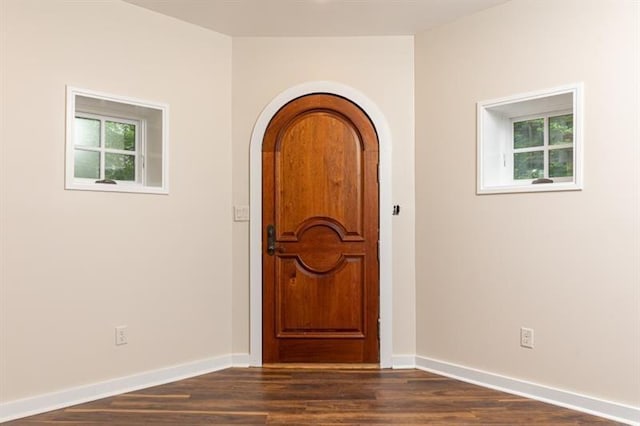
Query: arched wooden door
(320, 234)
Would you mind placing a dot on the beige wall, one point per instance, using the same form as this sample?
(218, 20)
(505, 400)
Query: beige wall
(566, 264)
(75, 264)
(379, 67)
(184, 294)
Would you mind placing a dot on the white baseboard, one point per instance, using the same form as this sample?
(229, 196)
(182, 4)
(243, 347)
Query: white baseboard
(241, 360)
(403, 361)
(590, 405)
(78, 395)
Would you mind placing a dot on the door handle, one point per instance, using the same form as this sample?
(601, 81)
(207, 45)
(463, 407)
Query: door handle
(271, 240)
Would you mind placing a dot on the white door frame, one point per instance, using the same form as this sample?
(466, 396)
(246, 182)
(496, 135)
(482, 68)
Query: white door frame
(255, 197)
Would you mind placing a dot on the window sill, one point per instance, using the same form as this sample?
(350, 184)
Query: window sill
(137, 189)
(544, 187)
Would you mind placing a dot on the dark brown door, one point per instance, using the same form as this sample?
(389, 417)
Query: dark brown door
(320, 233)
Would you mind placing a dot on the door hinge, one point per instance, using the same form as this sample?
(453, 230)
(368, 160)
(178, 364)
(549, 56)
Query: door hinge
(378, 172)
(378, 328)
(378, 250)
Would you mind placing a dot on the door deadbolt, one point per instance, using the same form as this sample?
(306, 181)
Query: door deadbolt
(271, 240)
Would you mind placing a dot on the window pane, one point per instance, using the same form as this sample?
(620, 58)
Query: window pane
(86, 164)
(561, 162)
(528, 133)
(120, 135)
(87, 132)
(528, 165)
(561, 129)
(120, 167)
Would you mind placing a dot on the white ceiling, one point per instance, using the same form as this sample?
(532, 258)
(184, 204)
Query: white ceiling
(292, 18)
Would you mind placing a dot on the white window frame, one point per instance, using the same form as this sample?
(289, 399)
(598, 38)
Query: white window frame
(495, 138)
(545, 147)
(135, 114)
(138, 153)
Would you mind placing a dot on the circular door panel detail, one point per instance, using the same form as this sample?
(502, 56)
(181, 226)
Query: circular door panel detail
(319, 249)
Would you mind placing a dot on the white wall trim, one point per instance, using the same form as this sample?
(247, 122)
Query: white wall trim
(255, 192)
(60, 399)
(77, 395)
(241, 360)
(563, 398)
(403, 361)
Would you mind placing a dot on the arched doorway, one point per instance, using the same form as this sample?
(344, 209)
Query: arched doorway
(384, 137)
(320, 233)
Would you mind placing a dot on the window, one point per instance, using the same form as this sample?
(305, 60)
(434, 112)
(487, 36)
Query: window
(115, 144)
(107, 149)
(530, 143)
(543, 148)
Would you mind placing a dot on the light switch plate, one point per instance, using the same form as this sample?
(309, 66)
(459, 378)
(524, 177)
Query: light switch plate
(241, 213)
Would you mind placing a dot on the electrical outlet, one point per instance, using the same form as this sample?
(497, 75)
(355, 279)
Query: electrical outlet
(121, 335)
(526, 337)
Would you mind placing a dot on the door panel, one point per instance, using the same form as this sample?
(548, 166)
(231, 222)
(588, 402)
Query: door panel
(320, 192)
(333, 194)
(298, 288)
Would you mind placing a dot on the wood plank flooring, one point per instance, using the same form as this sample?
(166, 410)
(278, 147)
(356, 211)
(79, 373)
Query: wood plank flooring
(299, 396)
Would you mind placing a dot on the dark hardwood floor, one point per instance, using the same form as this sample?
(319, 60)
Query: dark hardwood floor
(286, 396)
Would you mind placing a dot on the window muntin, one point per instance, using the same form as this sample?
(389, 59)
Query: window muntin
(108, 148)
(543, 147)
